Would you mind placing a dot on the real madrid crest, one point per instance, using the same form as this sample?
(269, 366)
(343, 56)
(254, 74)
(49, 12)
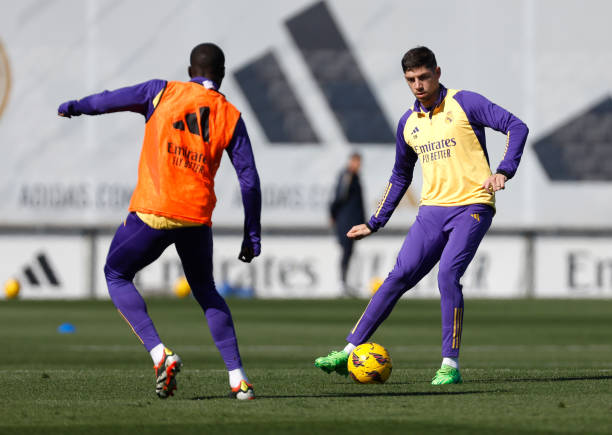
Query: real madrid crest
(5, 79)
(449, 117)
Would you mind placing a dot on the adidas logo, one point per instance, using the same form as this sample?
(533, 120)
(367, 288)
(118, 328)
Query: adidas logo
(336, 72)
(41, 269)
(415, 131)
(476, 216)
(192, 123)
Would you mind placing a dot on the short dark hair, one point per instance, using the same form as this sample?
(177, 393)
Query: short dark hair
(417, 57)
(208, 58)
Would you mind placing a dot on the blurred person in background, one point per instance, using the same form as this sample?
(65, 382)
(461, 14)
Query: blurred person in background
(346, 210)
(188, 126)
(444, 130)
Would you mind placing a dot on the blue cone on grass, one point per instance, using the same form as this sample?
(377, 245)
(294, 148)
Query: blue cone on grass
(227, 290)
(66, 328)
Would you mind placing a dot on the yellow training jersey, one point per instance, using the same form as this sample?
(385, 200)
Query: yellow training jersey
(454, 162)
(450, 143)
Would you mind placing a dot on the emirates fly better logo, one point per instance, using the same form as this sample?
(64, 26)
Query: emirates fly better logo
(5, 78)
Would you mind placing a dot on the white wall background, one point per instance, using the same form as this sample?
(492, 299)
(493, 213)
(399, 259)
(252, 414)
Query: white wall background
(544, 60)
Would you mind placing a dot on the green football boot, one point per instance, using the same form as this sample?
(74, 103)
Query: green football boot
(447, 375)
(336, 361)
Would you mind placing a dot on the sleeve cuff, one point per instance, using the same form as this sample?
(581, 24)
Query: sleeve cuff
(506, 174)
(370, 227)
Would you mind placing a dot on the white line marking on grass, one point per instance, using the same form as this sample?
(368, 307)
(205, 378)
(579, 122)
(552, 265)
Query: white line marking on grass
(282, 348)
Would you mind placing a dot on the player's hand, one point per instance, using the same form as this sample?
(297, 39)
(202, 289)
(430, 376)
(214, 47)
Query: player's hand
(248, 252)
(67, 110)
(495, 182)
(358, 232)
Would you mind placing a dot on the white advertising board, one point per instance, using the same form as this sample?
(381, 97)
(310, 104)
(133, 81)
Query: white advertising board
(289, 267)
(497, 270)
(59, 267)
(47, 267)
(308, 267)
(573, 267)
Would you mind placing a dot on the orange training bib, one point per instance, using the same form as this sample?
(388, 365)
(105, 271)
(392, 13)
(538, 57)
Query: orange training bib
(182, 149)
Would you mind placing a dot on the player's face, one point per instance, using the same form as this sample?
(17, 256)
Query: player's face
(424, 84)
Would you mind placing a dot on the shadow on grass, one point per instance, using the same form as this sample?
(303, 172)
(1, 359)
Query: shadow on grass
(492, 381)
(420, 393)
(331, 395)
(560, 379)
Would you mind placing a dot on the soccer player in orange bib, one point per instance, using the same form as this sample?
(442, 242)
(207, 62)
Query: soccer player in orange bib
(188, 125)
(445, 131)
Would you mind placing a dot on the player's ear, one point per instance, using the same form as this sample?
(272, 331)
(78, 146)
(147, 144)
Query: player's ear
(438, 72)
(189, 71)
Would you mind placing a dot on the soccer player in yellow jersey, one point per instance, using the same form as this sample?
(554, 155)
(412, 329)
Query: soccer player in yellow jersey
(445, 131)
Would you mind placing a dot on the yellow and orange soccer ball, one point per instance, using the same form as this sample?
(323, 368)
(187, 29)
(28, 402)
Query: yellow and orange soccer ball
(370, 363)
(181, 288)
(11, 288)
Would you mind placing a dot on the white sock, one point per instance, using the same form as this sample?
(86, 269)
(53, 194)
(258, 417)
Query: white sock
(157, 353)
(453, 362)
(349, 348)
(237, 375)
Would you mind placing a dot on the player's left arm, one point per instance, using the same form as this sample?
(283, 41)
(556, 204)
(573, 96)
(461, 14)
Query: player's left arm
(241, 155)
(482, 112)
(140, 98)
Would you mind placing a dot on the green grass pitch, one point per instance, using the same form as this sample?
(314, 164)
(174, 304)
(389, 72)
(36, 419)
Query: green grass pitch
(529, 366)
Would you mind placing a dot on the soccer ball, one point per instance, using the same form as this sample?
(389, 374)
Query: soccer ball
(181, 288)
(375, 284)
(369, 363)
(11, 288)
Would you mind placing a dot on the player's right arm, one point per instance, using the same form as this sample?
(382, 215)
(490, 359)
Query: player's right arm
(401, 177)
(141, 98)
(358, 232)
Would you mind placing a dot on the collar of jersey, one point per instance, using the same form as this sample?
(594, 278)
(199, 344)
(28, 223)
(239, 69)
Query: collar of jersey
(420, 108)
(207, 83)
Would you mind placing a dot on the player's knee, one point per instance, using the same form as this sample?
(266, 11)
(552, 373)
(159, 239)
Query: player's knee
(448, 280)
(112, 275)
(204, 289)
(396, 284)
(208, 297)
